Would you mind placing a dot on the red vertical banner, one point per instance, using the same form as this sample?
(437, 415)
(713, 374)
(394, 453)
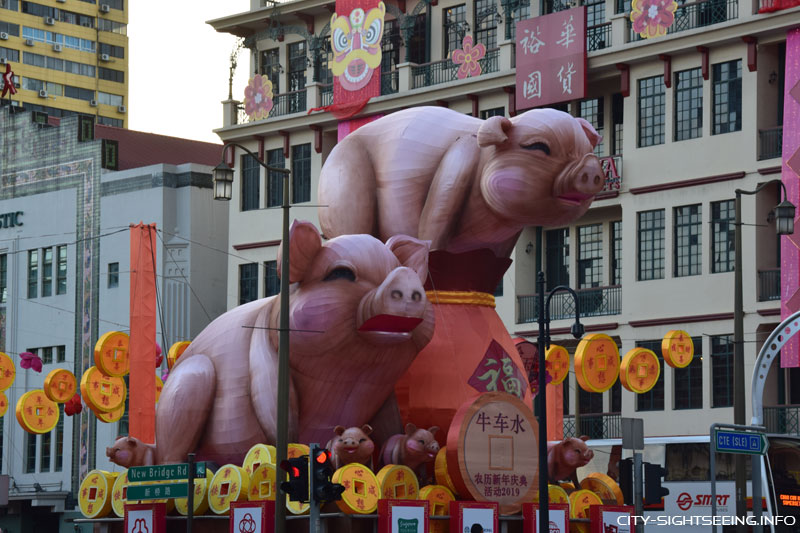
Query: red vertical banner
(142, 390)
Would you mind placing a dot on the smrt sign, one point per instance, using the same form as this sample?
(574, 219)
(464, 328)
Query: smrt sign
(551, 58)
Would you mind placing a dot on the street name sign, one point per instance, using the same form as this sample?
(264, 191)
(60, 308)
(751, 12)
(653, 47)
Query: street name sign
(727, 441)
(157, 492)
(172, 472)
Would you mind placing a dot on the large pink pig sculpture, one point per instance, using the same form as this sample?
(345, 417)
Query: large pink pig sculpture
(359, 317)
(470, 187)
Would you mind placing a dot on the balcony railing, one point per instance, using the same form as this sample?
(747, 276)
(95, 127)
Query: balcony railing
(390, 82)
(445, 70)
(697, 15)
(326, 94)
(784, 419)
(770, 143)
(598, 37)
(288, 103)
(612, 168)
(598, 301)
(595, 425)
(769, 285)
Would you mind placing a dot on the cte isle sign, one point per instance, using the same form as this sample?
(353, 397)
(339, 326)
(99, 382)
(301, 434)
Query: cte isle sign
(741, 442)
(551, 58)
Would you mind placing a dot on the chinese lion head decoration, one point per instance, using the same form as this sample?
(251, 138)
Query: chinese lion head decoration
(356, 45)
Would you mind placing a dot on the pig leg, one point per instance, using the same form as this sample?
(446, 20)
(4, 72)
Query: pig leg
(449, 190)
(387, 421)
(183, 408)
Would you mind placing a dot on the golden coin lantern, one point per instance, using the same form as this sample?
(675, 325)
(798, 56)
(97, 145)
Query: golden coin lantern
(294, 450)
(94, 497)
(230, 484)
(639, 370)
(555, 494)
(596, 362)
(111, 354)
(201, 485)
(37, 413)
(603, 486)
(175, 351)
(3, 403)
(102, 392)
(440, 470)
(439, 497)
(60, 385)
(557, 363)
(262, 483)
(7, 371)
(398, 482)
(361, 489)
(159, 388)
(579, 503)
(111, 416)
(677, 348)
(119, 495)
(258, 455)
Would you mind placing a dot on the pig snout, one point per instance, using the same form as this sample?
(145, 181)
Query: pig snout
(580, 182)
(432, 449)
(394, 308)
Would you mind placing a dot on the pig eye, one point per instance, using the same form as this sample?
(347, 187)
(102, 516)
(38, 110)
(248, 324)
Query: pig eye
(340, 273)
(538, 146)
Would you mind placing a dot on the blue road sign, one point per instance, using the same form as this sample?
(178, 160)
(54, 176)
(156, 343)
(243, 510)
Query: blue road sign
(740, 442)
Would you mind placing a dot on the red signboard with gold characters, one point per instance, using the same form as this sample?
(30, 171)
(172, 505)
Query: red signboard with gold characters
(596, 362)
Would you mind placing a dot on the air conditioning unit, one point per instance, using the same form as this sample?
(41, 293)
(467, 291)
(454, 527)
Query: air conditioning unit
(105, 57)
(93, 103)
(29, 42)
(3, 60)
(42, 93)
(105, 8)
(57, 47)
(50, 21)
(121, 109)
(3, 36)
(62, 1)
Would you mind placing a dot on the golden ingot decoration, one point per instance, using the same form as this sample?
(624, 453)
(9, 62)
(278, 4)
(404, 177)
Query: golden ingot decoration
(230, 484)
(596, 362)
(677, 348)
(557, 363)
(37, 413)
(102, 392)
(111, 354)
(361, 489)
(94, 496)
(398, 482)
(639, 370)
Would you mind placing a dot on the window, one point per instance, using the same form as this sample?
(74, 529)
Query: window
(651, 244)
(615, 397)
(59, 453)
(248, 283)
(453, 27)
(112, 26)
(275, 179)
(271, 67)
(592, 111)
(9, 28)
(61, 273)
(688, 234)
(33, 273)
(251, 176)
(557, 266)
(722, 236)
(297, 67)
(3, 278)
(44, 452)
(417, 48)
(485, 24)
(651, 111)
(109, 99)
(590, 403)
(722, 371)
(47, 272)
(9, 54)
(616, 252)
(498, 291)
(47, 355)
(688, 104)
(688, 381)
(653, 400)
(113, 275)
(61, 354)
(30, 453)
(272, 283)
(13, 5)
(590, 256)
(623, 6)
(390, 45)
(494, 112)
(111, 50)
(111, 74)
(727, 94)
(106, 121)
(301, 173)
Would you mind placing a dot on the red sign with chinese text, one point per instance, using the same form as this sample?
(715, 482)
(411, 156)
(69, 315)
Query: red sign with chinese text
(551, 58)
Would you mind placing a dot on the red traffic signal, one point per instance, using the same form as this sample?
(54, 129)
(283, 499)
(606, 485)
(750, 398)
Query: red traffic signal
(297, 486)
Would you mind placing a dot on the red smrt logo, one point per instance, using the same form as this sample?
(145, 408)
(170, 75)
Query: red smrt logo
(685, 500)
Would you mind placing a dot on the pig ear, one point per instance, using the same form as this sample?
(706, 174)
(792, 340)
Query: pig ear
(367, 429)
(412, 253)
(591, 133)
(493, 131)
(131, 441)
(433, 429)
(410, 429)
(304, 244)
(584, 437)
(338, 430)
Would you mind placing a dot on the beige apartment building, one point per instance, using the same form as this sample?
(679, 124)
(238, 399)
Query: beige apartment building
(687, 118)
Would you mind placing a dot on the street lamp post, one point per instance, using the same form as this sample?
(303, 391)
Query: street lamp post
(784, 225)
(223, 187)
(541, 394)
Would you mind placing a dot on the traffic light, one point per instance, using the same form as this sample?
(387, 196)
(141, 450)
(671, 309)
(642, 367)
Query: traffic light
(297, 486)
(322, 488)
(626, 480)
(653, 491)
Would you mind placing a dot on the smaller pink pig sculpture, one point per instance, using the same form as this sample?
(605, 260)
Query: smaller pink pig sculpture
(352, 445)
(413, 449)
(130, 451)
(566, 456)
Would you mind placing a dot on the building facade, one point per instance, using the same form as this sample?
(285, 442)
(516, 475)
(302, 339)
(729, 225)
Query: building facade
(65, 278)
(68, 56)
(686, 118)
